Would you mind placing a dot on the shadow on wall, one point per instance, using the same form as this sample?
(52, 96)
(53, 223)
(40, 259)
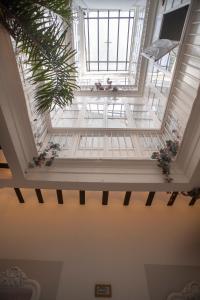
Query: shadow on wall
(46, 273)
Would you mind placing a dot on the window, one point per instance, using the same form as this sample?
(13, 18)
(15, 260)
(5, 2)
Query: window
(91, 142)
(95, 111)
(116, 111)
(108, 37)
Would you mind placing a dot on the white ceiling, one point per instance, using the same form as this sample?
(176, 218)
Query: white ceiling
(95, 243)
(109, 4)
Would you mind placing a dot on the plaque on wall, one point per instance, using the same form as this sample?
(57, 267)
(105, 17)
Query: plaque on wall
(103, 290)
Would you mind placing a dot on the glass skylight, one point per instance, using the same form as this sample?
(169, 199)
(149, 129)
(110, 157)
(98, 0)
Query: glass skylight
(108, 36)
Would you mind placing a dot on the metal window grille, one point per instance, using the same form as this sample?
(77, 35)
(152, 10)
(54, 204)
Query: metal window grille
(108, 36)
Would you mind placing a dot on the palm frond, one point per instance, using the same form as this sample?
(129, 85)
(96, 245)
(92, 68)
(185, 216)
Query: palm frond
(40, 33)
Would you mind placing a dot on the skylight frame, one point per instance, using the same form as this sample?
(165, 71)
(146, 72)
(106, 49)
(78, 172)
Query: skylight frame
(108, 62)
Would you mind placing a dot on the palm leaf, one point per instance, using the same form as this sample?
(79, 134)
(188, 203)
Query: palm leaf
(39, 28)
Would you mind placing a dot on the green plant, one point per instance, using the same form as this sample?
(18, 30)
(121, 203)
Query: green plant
(46, 157)
(39, 28)
(165, 156)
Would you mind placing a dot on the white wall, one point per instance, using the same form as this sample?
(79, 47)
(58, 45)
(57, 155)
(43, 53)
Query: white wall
(97, 243)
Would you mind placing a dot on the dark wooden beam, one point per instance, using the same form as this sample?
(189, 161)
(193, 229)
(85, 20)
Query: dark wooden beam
(193, 201)
(172, 198)
(39, 195)
(59, 196)
(127, 198)
(4, 166)
(105, 198)
(150, 198)
(19, 195)
(82, 197)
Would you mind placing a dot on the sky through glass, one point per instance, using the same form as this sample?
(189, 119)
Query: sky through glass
(108, 36)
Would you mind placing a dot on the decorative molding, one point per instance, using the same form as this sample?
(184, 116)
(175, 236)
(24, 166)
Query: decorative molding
(190, 292)
(14, 277)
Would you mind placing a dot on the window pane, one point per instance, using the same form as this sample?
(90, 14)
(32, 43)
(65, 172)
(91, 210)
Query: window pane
(112, 66)
(86, 39)
(113, 30)
(104, 49)
(129, 38)
(102, 66)
(113, 14)
(124, 13)
(93, 66)
(93, 39)
(121, 66)
(103, 14)
(93, 14)
(103, 39)
(123, 32)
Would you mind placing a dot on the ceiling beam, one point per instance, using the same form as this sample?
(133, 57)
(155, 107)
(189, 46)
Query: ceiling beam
(82, 197)
(193, 201)
(150, 198)
(172, 198)
(4, 166)
(39, 195)
(59, 196)
(105, 198)
(127, 198)
(19, 195)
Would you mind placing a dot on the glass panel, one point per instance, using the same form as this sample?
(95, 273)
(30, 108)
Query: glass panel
(93, 39)
(95, 111)
(112, 66)
(93, 14)
(123, 31)
(121, 66)
(122, 143)
(91, 142)
(93, 66)
(103, 14)
(113, 30)
(108, 46)
(113, 14)
(176, 3)
(129, 143)
(116, 111)
(169, 4)
(124, 13)
(103, 39)
(102, 66)
(129, 38)
(86, 40)
(114, 142)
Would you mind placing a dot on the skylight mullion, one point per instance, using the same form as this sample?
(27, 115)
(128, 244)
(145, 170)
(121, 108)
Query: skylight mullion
(118, 41)
(127, 40)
